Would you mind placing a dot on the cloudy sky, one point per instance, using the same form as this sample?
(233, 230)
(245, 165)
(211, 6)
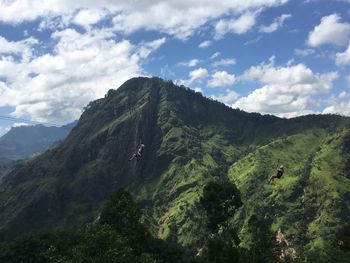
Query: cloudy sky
(282, 57)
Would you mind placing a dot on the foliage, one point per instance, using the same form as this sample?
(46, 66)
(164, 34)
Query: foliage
(40, 247)
(106, 241)
(262, 244)
(124, 216)
(338, 247)
(221, 251)
(220, 202)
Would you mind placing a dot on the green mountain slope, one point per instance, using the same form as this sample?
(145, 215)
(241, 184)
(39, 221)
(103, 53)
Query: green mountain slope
(312, 200)
(189, 140)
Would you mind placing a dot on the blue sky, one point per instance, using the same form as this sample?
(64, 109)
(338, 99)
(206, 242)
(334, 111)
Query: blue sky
(281, 57)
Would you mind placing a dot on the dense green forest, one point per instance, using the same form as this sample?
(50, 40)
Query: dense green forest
(199, 156)
(118, 235)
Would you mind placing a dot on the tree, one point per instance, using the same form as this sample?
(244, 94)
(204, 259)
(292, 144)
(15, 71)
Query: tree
(262, 241)
(118, 237)
(338, 249)
(102, 244)
(124, 216)
(220, 201)
(40, 247)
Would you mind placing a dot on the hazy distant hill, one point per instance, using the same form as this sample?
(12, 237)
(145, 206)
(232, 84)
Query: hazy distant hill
(189, 140)
(24, 141)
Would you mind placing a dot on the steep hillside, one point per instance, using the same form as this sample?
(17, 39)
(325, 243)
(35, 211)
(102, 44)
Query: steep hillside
(189, 141)
(312, 199)
(24, 141)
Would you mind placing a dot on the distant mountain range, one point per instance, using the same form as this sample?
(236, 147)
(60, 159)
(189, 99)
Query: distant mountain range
(189, 141)
(24, 141)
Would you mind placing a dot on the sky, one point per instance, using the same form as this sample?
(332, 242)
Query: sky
(282, 57)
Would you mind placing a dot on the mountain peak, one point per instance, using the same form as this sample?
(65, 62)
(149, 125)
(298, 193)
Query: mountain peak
(189, 140)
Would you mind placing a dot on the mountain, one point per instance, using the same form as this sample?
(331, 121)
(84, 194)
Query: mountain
(7, 168)
(23, 141)
(189, 141)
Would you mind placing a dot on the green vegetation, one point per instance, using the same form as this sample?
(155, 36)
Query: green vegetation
(309, 202)
(190, 141)
(118, 236)
(220, 201)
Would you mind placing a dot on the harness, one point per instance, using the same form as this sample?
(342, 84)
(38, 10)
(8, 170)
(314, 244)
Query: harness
(279, 173)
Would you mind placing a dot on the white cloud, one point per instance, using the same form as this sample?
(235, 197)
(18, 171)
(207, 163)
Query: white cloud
(286, 91)
(20, 124)
(166, 72)
(342, 59)
(311, 1)
(88, 17)
(330, 31)
(229, 98)
(224, 62)
(54, 87)
(180, 18)
(204, 44)
(147, 48)
(290, 62)
(342, 108)
(276, 24)
(343, 94)
(221, 79)
(239, 25)
(215, 55)
(197, 89)
(54, 23)
(253, 41)
(23, 48)
(190, 63)
(304, 52)
(15, 47)
(198, 74)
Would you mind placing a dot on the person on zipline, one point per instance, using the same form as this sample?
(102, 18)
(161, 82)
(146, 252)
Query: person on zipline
(138, 154)
(278, 174)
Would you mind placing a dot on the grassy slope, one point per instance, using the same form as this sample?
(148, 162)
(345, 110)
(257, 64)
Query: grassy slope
(307, 203)
(301, 147)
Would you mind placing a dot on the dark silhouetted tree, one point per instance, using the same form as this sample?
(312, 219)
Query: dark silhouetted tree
(220, 201)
